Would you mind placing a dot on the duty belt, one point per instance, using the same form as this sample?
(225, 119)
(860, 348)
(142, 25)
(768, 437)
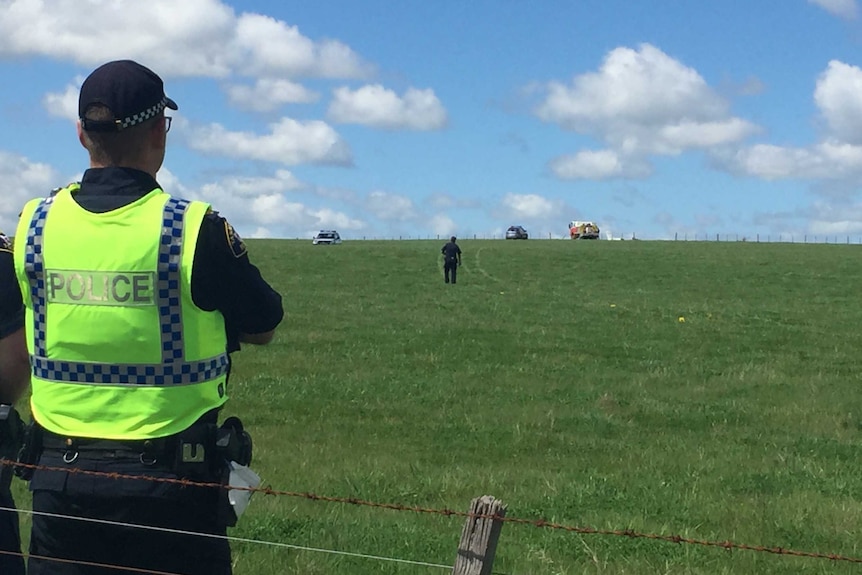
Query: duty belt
(146, 450)
(195, 450)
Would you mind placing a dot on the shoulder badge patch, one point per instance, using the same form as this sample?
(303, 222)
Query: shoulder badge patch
(237, 246)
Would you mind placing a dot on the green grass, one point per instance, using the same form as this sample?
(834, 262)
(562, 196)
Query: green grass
(558, 377)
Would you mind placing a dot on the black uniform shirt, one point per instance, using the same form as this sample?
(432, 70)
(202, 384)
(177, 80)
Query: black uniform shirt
(451, 251)
(223, 278)
(11, 305)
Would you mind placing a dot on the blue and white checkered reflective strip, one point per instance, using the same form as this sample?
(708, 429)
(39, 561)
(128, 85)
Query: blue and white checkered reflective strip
(35, 268)
(173, 370)
(130, 374)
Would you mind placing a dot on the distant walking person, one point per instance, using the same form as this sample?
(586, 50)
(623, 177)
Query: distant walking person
(451, 259)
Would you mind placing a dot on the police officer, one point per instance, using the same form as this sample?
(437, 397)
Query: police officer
(134, 300)
(451, 259)
(14, 379)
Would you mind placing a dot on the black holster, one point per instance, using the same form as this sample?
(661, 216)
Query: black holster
(204, 449)
(233, 442)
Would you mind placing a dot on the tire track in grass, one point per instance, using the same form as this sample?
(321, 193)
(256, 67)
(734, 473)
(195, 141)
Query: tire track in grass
(482, 270)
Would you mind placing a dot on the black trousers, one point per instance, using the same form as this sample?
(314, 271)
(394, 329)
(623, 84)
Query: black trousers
(10, 538)
(450, 269)
(146, 502)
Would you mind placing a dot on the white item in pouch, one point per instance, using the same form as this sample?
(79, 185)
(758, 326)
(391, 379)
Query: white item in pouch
(241, 476)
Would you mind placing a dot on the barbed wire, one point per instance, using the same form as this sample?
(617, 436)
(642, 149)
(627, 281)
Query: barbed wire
(539, 523)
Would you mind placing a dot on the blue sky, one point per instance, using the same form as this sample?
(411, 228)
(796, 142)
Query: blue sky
(408, 118)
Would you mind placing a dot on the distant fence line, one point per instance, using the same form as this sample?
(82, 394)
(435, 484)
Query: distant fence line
(768, 238)
(677, 237)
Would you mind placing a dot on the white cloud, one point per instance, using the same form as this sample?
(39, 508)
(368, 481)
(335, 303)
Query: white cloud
(233, 197)
(22, 180)
(839, 97)
(260, 232)
(171, 184)
(376, 106)
(272, 47)
(633, 87)
(836, 158)
(639, 103)
(685, 135)
(830, 160)
(529, 206)
(289, 142)
(185, 38)
(248, 186)
(328, 218)
(190, 38)
(598, 165)
(64, 104)
(269, 94)
(847, 9)
(838, 227)
(269, 209)
(442, 225)
(264, 206)
(390, 207)
(834, 219)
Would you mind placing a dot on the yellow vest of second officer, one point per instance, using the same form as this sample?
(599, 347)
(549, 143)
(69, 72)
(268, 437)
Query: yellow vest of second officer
(119, 349)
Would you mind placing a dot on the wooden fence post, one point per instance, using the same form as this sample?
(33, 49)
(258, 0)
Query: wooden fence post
(479, 537)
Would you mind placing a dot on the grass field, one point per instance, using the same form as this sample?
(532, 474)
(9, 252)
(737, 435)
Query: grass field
(559, 377)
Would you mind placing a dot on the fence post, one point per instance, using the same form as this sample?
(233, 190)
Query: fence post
(479, 537)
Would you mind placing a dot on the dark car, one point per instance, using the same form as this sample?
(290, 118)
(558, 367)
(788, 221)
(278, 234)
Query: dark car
(516, 233)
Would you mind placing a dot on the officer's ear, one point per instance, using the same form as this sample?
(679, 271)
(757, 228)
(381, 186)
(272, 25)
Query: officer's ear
(158, 132)
(81, 136)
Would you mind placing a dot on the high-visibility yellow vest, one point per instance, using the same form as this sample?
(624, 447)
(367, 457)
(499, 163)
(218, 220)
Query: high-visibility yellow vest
(118, 348)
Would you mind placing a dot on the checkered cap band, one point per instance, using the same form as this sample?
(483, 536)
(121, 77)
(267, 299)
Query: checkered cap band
(118, 125)
(141, 117)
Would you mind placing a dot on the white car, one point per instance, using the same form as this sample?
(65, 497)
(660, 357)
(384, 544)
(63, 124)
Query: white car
(326, 237)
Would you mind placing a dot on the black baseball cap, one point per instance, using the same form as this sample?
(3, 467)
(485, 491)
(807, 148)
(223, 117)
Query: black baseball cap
(133, 92)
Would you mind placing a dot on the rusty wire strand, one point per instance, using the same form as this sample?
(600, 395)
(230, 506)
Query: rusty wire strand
(540, 523)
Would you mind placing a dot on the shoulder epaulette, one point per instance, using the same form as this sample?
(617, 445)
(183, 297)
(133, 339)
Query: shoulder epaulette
(55, 191)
